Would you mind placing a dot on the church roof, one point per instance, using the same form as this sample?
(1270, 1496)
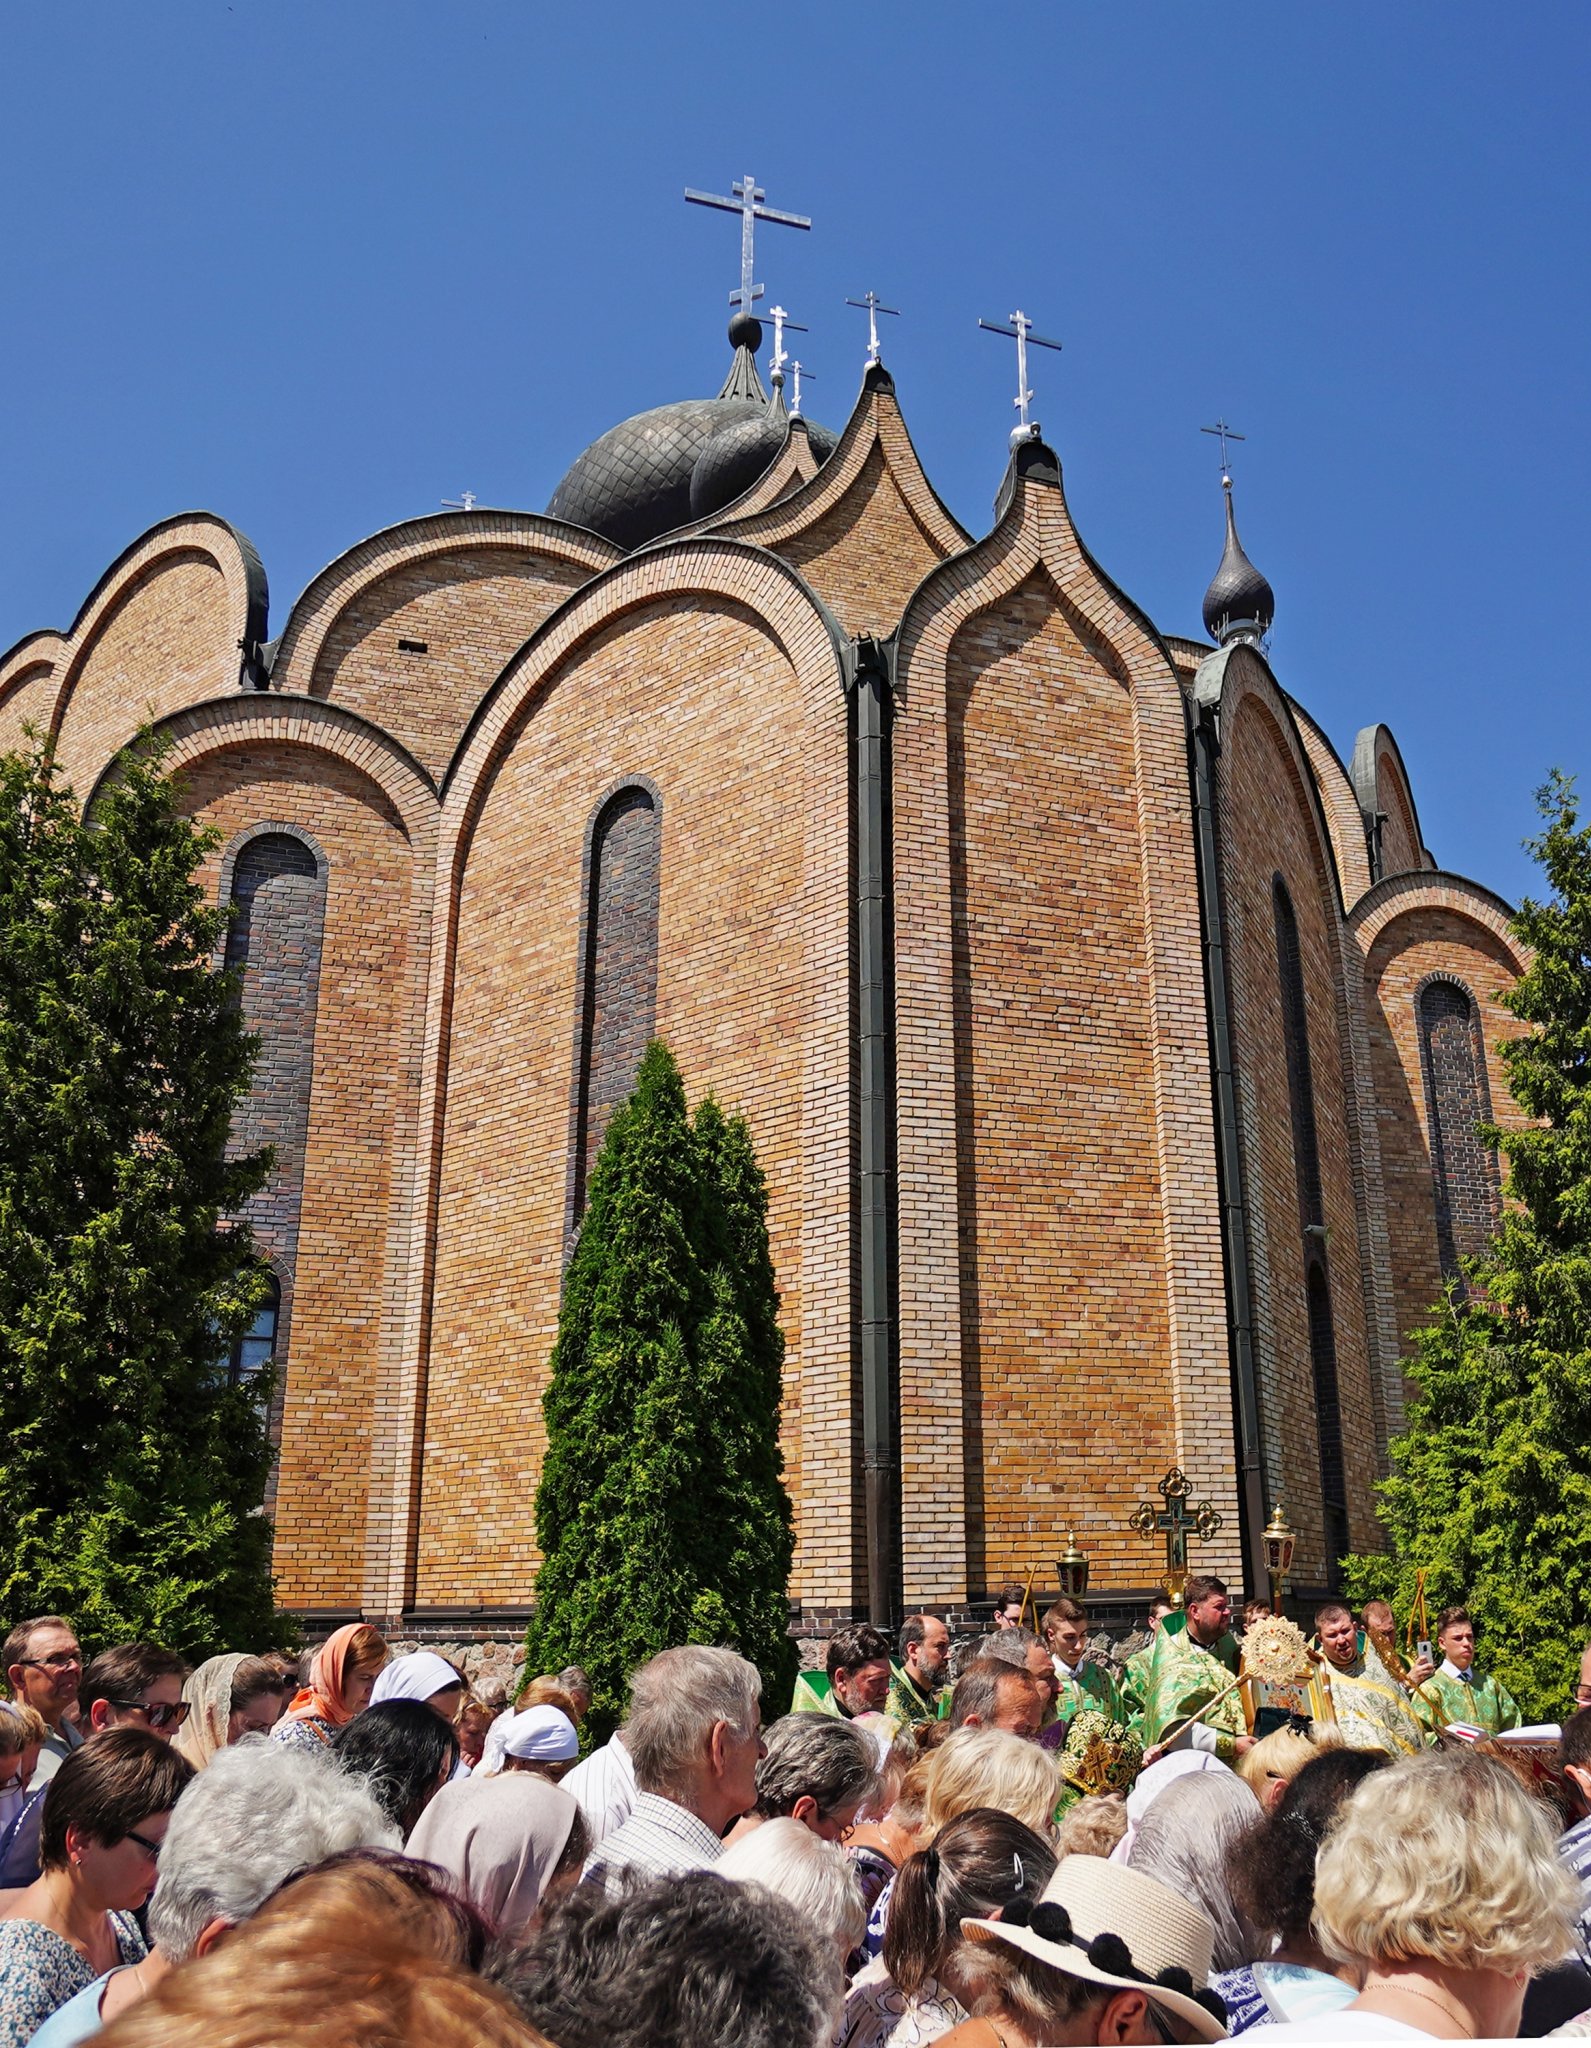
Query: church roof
(681, 462)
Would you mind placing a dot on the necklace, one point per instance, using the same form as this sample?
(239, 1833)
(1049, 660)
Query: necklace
(1430, 1997)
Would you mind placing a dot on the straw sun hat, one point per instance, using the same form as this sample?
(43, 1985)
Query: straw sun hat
(1110, 1925)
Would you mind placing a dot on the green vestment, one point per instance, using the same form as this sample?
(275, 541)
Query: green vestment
(1183, 1677)
(908, 1705)
(1370, 1707)
(1090, 1685)
(1480, 1704)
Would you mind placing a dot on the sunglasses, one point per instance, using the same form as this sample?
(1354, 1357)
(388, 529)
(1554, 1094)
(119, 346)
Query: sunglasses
(158, 1716)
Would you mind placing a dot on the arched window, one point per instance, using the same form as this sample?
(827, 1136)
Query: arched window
(262, 860)
(257, 1346)
(1457, 1098)
(1312, 1228)
(617, 970)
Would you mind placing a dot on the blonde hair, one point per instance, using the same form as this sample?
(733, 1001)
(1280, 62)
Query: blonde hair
(547, 1692)
(20, 1727)
(1444, 1858)
(1283, 1754)
(1092, 1827)
(349, 1954)
(989, 1767)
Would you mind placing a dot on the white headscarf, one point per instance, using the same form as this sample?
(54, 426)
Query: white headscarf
(208, 1692)
(415, 1677)
(538, 1735)
(1151, 1784)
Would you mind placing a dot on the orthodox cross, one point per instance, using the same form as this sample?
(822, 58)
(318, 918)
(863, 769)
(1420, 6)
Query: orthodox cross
(781, 321)
(1176, 1521)
(1225, 434)
(795, 401)
(1020, 326)
(873, 306)
(463, 504)
(747, 202)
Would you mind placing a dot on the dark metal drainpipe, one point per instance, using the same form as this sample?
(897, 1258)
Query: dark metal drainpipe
(873, 682)
(1205, 748)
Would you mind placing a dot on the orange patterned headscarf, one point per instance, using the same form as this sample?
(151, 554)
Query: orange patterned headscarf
(322, 1699)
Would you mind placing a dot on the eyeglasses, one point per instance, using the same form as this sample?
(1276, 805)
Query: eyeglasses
(150, 1849)
(63, 1660)
(160, 1715)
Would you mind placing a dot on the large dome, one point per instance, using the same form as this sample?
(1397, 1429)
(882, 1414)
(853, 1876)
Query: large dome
(682, 462)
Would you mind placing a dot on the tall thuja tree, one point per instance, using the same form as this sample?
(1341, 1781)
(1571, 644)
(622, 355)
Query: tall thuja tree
(130, 1472)
(662, 1515)
(1490, 1492)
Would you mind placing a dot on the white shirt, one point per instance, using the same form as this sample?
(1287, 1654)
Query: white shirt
(659, 1839)
(604, 1785)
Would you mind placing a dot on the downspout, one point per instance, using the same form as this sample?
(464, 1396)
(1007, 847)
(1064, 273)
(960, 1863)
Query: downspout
(1205, 748)
(873, 681)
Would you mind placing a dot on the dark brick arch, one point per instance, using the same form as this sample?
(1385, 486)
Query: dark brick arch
(1464, 1177)
(277, 877)
(616, 969)
(1312, 1229)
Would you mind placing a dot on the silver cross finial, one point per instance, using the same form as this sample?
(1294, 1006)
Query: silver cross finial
(466, 503)
(1020, 326)
(747, 202)
(782, 323)
(1226, 434)
(795, 399)
(874, 305)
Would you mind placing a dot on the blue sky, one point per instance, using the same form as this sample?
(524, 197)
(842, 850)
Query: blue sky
(318, 266)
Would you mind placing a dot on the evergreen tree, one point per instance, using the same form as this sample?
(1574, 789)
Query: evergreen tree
(130, 1472)
(662, 1515)
(1490, 1492)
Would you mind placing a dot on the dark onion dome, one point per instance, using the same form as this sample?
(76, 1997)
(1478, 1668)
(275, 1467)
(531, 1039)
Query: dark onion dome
(682, 462)
(1239, 604)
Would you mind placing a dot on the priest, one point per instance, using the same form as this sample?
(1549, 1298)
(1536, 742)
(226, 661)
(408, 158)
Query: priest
(1195, 1659)
(1370, 1708)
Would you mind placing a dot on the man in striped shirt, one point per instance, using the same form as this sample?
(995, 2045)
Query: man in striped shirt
(694, 1736)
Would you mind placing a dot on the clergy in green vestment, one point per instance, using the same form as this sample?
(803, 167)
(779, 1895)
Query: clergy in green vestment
(1135, 1672)
(1370, 1708)
(855, 1678)
(918, 1680)
(1457, 1691)
(1079, 1682)
(1195, 1658)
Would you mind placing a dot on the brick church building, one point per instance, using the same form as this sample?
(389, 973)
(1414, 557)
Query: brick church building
(1112, 1043)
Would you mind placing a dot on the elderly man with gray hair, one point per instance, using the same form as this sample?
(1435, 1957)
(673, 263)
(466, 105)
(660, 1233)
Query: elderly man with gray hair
(259, 1812)
(694, 1734)
(819, 1771)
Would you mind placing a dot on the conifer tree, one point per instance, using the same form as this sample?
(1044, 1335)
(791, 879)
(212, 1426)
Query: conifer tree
(131, 1474)
(661, 1514)
(1490, 1491)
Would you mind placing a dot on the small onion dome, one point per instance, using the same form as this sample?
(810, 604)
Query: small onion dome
(1239, 604)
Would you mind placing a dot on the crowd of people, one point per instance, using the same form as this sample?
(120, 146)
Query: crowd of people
(1039, 1848)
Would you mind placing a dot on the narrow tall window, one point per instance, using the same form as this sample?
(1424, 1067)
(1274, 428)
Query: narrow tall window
(255, 1349)
(1463, 1171)
(1312, 1227)
(279, 887)
(618, 970)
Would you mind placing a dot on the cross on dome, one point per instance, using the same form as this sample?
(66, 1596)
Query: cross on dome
(747, 202)
(782, 324)
(1020, 327)
(873, 305)
(1225, 434)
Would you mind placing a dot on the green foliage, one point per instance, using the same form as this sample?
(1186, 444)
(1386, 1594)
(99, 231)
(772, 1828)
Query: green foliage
(1490, 1491)
(661, 1514)
(131, 1473)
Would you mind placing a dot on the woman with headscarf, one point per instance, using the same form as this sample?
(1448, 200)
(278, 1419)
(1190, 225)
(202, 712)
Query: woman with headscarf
(1182, 1843)
(506, 1841)
(542, 1740)
(228, 1697)
(424, 1676)
(341, 1679)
